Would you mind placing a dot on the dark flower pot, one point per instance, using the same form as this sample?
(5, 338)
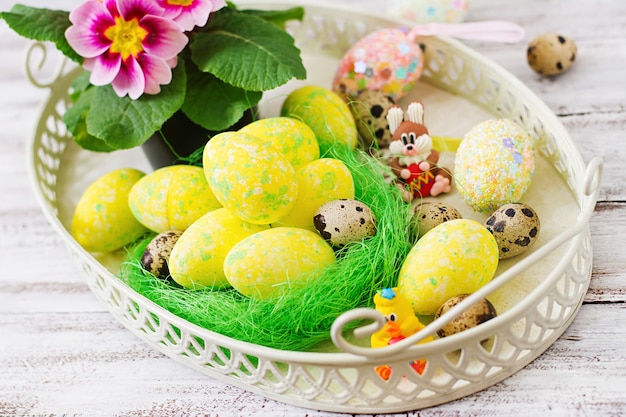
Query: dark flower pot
(183, 137)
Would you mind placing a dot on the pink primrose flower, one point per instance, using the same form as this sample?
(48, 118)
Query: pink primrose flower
(190, 13)
(126, 43)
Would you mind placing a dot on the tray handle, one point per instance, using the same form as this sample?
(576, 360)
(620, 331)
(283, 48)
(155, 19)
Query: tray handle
(38, 56)
(591, 189)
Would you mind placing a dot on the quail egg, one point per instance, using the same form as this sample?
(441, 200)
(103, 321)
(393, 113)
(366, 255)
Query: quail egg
(344, 221)
(515, 227)
(156, 256)
(471, 317)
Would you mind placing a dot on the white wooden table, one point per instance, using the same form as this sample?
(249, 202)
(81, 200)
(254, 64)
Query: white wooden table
(63, 354)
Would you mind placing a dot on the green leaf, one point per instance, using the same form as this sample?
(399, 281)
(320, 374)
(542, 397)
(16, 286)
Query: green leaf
(124, 123)
(213, 104)
(42, 25)
(75, 118)
(278, 17)
(246, 51)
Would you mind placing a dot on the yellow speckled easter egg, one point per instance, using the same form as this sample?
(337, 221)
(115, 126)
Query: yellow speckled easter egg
(197, 259)
(456, 257)
(325, 112)
(249, 177)
(269, 262)
(319, 182)
(102, 220)
(494, 164)
(293, 138)
(172, 198)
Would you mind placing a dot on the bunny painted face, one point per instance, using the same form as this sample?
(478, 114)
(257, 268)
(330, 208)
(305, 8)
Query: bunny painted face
(413, 160)
(410, 137)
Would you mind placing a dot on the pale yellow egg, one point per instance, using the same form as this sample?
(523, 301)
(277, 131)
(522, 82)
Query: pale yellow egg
(291, 137)
(249, 177)
(319, 182)
(103, 221)
(197, 258)
(456, 257)
(325, 112)
(273, 261)
(172, 198)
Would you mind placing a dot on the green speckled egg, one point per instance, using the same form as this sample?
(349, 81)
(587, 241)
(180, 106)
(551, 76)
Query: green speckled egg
(102, 220)
(325, 112)
(291, 137)
(249, 177)
(456, 257)
(172, 197)
(197, 258)
(269, 262)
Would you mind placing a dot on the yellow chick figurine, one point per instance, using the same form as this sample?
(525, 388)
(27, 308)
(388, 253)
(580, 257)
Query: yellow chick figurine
(401, 323)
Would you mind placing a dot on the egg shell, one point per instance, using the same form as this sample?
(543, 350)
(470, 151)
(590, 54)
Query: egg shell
(325, 113)
(473, 316)
(516, 228)
(291, 137)
(197, 259)
(155, 258)
(274, 260)
(551, 54)
(249, 177)
(429, 11)
(385, 60)
(319, 182)
(341, 222)
(370, 110)
(102, 220)
(172, 198)
(431, 214)
(494, 164)
(456, 257)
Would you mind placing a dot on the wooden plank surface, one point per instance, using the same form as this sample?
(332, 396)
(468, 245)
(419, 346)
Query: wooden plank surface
(62, 353)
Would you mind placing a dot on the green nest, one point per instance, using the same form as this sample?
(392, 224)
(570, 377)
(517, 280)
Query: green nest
(300, 320)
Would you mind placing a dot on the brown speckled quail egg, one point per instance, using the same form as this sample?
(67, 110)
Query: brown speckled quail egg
(477, 314)
(370, 109)
(344, 221)
(515, 227)
(429, 214)
(551, 54)
(156, 256)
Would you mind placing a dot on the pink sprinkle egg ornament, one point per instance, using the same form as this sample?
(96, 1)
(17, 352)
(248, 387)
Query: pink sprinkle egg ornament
(386, 60)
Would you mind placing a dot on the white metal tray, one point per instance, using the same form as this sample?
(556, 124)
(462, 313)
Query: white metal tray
(537, 294)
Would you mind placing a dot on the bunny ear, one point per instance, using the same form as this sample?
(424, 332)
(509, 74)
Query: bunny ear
(394, 118)
(415, 112)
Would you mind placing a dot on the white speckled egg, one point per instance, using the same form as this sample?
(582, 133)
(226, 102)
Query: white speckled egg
(249, 177)
(551, 54)
(430, 214)
(344, 221)
(156, 256)
(456, 257)
(172, 198)
(494, 164)
(197, 260)
(475, 315)
(516, 228)
(103, 221)
(269, 262)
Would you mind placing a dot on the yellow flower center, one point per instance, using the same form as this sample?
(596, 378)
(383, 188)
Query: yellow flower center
(126, 37)
(180, 2)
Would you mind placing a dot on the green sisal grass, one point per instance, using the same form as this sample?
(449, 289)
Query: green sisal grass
(299, 320)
